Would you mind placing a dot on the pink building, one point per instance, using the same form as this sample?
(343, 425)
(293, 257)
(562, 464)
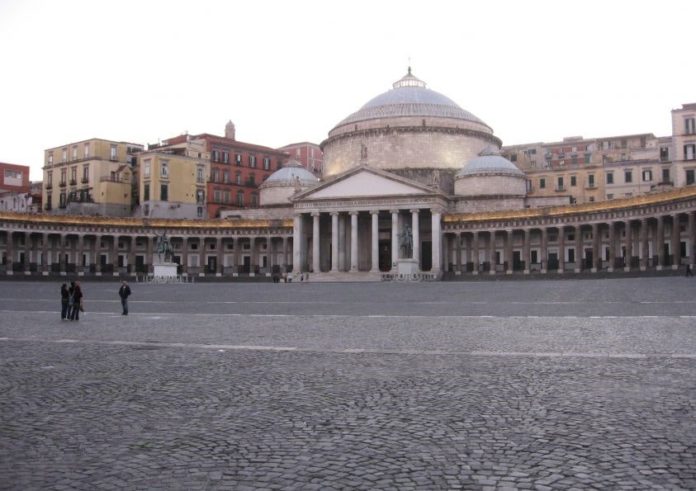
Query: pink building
(308, 154)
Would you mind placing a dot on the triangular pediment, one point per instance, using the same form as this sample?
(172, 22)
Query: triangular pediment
(365, 182)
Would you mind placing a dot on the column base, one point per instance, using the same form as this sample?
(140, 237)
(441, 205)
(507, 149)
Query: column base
(509, 271)
(610, 270)
(627, 268)
(578, 270)
(475, 273)
(526, 271)
(492, 271)
(643, 268)
(543, 271)
(44, 273)
(658, 267)
(593, 270)
(675, 267)
(561, 271)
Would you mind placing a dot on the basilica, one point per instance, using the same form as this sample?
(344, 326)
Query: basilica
(413, 188)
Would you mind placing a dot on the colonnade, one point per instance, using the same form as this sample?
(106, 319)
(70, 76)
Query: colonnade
(351, 241)
(26, 252)
(632, 243)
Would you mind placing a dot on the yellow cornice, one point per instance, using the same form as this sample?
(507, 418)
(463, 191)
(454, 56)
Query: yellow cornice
(568, 210)
(142, 222)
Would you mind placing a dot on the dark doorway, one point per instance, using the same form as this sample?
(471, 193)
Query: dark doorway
(517, 264)
(385, 255)
(427, 255)
(246, 265)
(212, 264)
(588, 259)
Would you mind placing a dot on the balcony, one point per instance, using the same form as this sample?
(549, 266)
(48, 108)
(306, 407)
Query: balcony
(590, 185)
(85, 180)
(49, 187)
(73, 182)
(47, 207)
(114, 179)
(63, 184)
(560, 189)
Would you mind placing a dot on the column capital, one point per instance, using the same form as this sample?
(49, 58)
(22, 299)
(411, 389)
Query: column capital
(374, 212)
(415, 210)
(334, 213)
(353, 213)
(394, 212)
(315, 213)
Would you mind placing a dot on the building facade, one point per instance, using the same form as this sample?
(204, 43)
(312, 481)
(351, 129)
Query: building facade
(91, 177)
(309, 155)
(414, 188)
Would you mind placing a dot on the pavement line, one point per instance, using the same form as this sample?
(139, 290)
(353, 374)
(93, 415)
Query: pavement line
(402, 351)
(167, 315)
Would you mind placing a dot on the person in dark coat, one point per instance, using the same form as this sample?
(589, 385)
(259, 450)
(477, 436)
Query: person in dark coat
(124, 292)
(64, 302)
(77, 302)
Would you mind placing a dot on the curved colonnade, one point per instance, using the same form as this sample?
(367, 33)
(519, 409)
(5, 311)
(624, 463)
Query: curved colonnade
(655, 231)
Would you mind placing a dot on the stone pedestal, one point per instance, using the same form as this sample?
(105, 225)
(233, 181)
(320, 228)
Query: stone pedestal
(165, 270)
(407, 266)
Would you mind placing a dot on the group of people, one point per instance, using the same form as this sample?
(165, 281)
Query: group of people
(72, 300)
(71, 303)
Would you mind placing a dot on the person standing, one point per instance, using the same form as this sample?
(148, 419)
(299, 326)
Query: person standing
(124, 292)
(64, 302)
(76, 302)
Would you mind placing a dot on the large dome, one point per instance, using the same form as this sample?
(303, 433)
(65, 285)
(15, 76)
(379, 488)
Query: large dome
(410, 97)
(410, 130)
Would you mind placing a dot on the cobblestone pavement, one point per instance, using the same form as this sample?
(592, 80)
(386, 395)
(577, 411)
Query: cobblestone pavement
(501, 385)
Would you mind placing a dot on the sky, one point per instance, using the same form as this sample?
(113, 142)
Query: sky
(288, 71)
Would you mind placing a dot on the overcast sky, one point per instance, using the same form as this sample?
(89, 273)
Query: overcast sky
(288, 71)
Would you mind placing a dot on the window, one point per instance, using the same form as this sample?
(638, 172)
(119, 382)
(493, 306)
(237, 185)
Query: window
(146, 192)
(200, 196)
(86, 150)
(199, 211)
(559, 184)
(199, 174)
(239, 178)
(610, 196)
(590, 181)
(74, 152)
(664, 154)
(226, 176)
(254, 199)
(226, 157)
(50, 158)
(623, 143)
(665, 175)
(252, 160)
(216, 156)
(240, 198)
(146, 168)
(573, 181)
(690, 177)
(542, 183)
(64, 155)
(647, 175)
(513, 157)
(266, 163)
(690, 125)
(113, 153)
(63, 176)
(73, 175)
(216, 175)
(164, 169)
(628, 176)
(62, 200)
(690, 151)
(49, 178)
(238, 158)
(85, 173)
(610, 178)
(164, 192)
(252, 180)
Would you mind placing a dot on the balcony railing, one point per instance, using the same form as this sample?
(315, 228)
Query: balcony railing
(49, 186)
(63, 184)
(73, 182)
(114, 179)
(85, 180)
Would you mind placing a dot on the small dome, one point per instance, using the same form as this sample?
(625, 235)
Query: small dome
(291, 173)
(490, 161)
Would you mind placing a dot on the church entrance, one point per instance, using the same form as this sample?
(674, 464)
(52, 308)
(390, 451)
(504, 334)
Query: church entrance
(385, 255)
(426, 255)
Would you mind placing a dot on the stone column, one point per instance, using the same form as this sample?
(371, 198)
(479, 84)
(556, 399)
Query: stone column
(595, 248)
(643, 238)
(184, 255)
(354, 241)
(690, 241)
(9, 253)
(676, 242)
(660, 242)
(297, 244)
(375, 241)
(236, 245)
(437, 244)
(80, 252)
(446, 248)
(458, 251)
(415, 227)
(44, 254)
(475, 252)
(544, 253)
(395, 238)
(628, 245)
(578, 248)
(561, 249)
(612, 247)
(491, 252)
(507, 251)
(219, 264)
(131, 255)
(334, 241)
(149, 258)
(284, 257)
(316, 267)
(114, 254)
(525, 251)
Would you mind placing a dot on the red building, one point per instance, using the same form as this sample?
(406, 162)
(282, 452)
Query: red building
(14, 178)
(237, 169)
(308, 154)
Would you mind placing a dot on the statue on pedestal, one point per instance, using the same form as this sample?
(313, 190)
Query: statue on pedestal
(164, 248)
(406, 241)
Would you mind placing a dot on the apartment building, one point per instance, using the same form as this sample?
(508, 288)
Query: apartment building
(90, 177)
